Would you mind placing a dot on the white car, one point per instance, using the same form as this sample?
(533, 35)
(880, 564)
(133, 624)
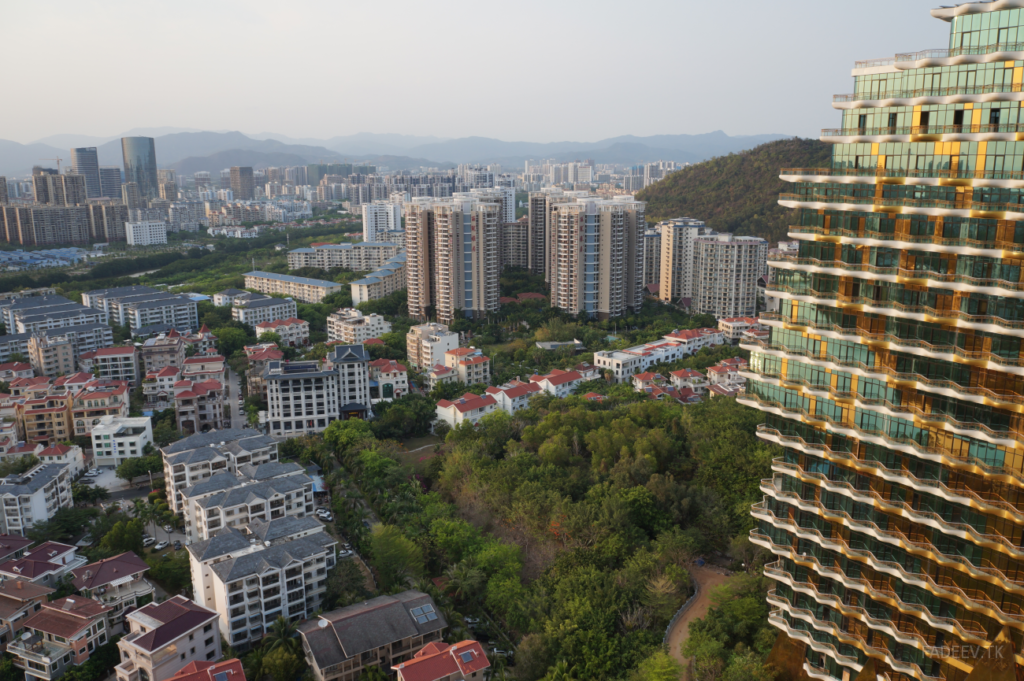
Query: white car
(471, 620)
(326, 517)
(149, 541)
(344, 554)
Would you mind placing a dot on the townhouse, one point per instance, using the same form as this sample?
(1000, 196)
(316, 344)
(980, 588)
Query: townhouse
(388, 379)
(62, 634)
(620, 365)
(10, 371)
(205, 366)
(469, 364)
(165, 638)
(689, 378)
(349, 325)
(18, 600)
(116, 582)
(95, 400)
(118, 438)
(514, 395)
(119, 364)
(558, 383)
(294, 332)
(468, 408)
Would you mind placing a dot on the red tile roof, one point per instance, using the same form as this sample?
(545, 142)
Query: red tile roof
(515, 391)
(15, 366)
(594, 397)
(107, 570)
(280, 322)
(201, 670)
(109, 352)
(468, 402)
(558, 377)
(202, 359)
(504, 300)
(531, 296)
(178, 616)
(388, 366)
(474, 360)
(67, 616)
(462, 352)
(687, 373)
(373, 341)
(646, 376)
(437, 662)
(266, 355)
(55, 450)
(164, 373)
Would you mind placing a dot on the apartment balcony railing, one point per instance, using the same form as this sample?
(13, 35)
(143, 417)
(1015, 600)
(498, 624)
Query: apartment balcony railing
(897, 173)
(929, 92)
(943, 277)
(978, 206)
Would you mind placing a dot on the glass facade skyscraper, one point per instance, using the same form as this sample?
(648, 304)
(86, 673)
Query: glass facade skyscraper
(893, 377)
(140, 165)
(85, 162)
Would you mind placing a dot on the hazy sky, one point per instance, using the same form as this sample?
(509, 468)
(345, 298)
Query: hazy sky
(535, 70)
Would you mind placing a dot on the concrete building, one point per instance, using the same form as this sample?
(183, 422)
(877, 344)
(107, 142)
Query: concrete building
(341, 645)
(165, 350)
(304, 397)
(71, 456)
(243, 184)
(116, 582)
(199, 405)
(139, 155)
(679, 257)
(620, 365)
(388, 380)
(426, 344)
(386, 280)
(258, 356)
(94, 399)
(538, 218)
(43, 225)
(462, 661)
(158, 387)
(119, 364)
(253, 574)
(228, 296)
(379, 218)
(67, 189)
(34, 496)
(139, 307)
(165, 638)
(116, 438)
(558, 383)
(726, 273)
(361, 257)
(595, 256)
(294, 332)
(146, 233)
(302, 289)
(51, 355)
(62, 634)
(514, 395)
(85, 162)
(257, 310)
(18, 600)
(652, 257)
(110, 182)
(351, 326)
(469, 365)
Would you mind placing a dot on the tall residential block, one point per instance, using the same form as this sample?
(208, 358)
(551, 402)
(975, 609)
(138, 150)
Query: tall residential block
(540, 204)
(679, 257)
(110, 182)
(893, 375)
(454, 244)
(596, 259)
(243, 185)
(725, 274)
(139, 154)
(652, 257)
(379, 218)
(85, 162)
(59, 190)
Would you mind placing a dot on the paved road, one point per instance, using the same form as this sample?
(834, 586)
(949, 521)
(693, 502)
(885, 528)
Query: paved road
(238, 417)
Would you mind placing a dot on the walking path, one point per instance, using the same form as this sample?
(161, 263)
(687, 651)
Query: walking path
(708, 578)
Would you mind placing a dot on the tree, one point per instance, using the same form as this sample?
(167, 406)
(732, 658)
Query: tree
(254, 664)
(270, 337)
(283, 665)
(345, 585)
(125, 536)
(88, 494)
(16, 466)
(395, 556)
(133, 467)
(341, 435)
(283, 635)
(464, 581)
(231, 339)
(660, 666)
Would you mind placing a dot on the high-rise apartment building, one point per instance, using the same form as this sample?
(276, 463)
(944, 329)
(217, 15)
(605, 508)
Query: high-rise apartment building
(139, 155)
(679, 257)
(86, 163)
(892, 376)
(59, 190)
(652, 257)
(452, 248)
(131, 196)
(595, 256)
(45, 225)
(3, 191)
(540, 204)
(243, 185)
(379, 218)
(725, 273)
(110, 182)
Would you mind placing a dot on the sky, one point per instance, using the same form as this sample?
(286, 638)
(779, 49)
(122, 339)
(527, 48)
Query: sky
(533, 70)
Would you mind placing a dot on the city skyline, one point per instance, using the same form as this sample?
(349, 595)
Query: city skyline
(661, 51)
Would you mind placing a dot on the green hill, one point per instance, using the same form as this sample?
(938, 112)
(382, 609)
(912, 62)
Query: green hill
(739, 192)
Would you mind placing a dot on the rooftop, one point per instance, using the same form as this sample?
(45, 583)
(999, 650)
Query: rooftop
(292, 279)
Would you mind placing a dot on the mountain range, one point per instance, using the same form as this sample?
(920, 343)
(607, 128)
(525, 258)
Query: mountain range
(188, 151)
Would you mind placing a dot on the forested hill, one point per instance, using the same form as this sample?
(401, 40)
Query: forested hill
(739, 192)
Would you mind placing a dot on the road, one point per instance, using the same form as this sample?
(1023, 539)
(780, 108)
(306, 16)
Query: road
(708, 579)
(238, 417)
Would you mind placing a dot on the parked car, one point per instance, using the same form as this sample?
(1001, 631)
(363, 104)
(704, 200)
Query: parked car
(344, 554)
(177, 545)
(326, 517)
(148, 541)
(498, 651)
(471, 620)
(86, 481)
(168, 528)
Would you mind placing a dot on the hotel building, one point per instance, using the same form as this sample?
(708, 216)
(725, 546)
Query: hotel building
(893, 375)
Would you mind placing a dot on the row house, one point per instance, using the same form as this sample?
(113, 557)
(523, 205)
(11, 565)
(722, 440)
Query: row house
(158, 387)
(199, 406)
(62, 634)
(18, 600)
(116, 582)
(258, 356)
(558, 382)
(514, 395)
(255, 574)
(164, 639)
(468, 408)
(45, 564)
(469, 364)
(620, 365)
(119, 364)
(349, 325)
(266, 309)
(198, 457)
(388, 379)
(294, 332)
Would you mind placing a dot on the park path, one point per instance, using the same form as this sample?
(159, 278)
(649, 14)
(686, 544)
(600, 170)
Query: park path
(708, 578)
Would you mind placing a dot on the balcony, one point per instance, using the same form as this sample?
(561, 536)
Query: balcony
(892, 97)
(124, 591)
(38, 650)
(926, 206)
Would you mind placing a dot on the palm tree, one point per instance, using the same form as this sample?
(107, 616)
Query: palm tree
(283, 634)
(464, 580)
(253, 664)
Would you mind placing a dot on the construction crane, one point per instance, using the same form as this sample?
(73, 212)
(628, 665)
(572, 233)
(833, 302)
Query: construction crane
(58, 160)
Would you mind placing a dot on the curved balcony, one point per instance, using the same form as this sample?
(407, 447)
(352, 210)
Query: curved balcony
(991, 573)
(943, 387)
(901, 275)
(986, 503)
(928, 177)
(1007, 132)
(937, 207)
(950, 353)
(936, 95)
(872, 650)
(877, 437)
(972, 599)
(779, 622)
(898, 508)
(947, 56)
(1005, 437)
(967, 631)
(929, 243)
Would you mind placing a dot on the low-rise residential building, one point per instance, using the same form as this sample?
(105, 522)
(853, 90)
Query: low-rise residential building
(427, 344)
(34, 497)
(71, 456)
(438, 661)
(10, 371)
(117, 438)
(96, 399)
(9, 438)
(302, 289)
(304, 397)
(382, 282)
(689, 378)
(294, 332)
(349, 325)
(203, 340)
(381, 632)
(440, 374)
(164, 638)
(158, 387)
(18, 600)
(204, 367)
(211, 671)
(728, 374)
(227, 296)
(199, 406)
(258, 356)
(558, 382)
(588, 371)
(163, 351)
(469, 364)
(51, 355)
(514, 395)
(44, 564)
(63, 634)
(116, 582)
(119, 364)
(733, 328)
(46, 418)
(692, 340)
(254, 574)
(198, 457)
(620, 365)
(388, 380)
(468, 408)
(358, 257)
(265, 309)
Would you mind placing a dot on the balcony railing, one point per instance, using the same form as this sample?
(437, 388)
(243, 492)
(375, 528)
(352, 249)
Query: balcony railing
(977, 206)
(926, 174)
(902, 130)
(946, 53)
(929, 92)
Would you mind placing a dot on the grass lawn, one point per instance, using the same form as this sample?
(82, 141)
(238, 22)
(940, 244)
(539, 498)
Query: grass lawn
(418, 459)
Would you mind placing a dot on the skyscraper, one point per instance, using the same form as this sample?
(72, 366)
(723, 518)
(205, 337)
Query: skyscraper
(86, 163)
(130, 195)
(110, 182)
(678, 257)
(725, 274)
(140, 165)
(379, 218)
(59, 190)
(242, 184)
(892, 376)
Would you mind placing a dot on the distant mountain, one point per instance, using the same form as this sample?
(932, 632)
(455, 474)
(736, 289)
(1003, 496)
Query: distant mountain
(216, 162)
(738, 192)
(178, 146)
(18, 159)
(360, 144)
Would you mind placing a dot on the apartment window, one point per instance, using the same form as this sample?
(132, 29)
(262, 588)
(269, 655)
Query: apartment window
(207, 628)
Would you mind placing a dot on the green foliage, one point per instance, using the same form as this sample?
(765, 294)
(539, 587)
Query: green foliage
(739, 192)
(133, 467)
(341, 435)
(124, 536)
(395, 557)
(392, 305)
(165, 428)
(88, 494)
(172, 571)
(283, 665)
(660, 666)
(18, 466)
(63, 525)
(345, 585)
(405, 417)
(101, 661)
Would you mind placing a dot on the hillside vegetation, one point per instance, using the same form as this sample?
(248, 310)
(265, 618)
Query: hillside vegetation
(739, 192)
